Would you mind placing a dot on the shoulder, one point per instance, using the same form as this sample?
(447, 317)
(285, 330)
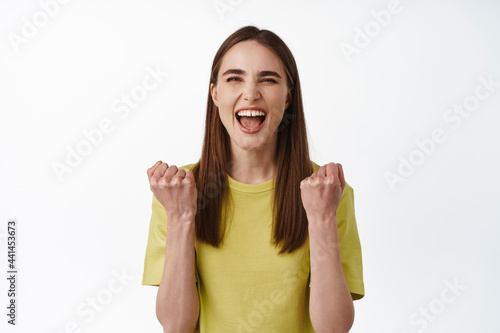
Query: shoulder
(187, 167)
(315, 166)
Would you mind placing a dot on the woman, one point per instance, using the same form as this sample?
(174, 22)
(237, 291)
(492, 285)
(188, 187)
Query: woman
(258, 237)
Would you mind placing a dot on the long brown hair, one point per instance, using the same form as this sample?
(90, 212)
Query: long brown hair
(290, 221)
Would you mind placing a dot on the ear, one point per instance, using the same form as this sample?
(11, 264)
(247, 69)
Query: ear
(213, 92)
(288, 100)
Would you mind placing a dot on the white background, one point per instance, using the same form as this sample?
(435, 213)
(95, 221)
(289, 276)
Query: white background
(438, 226)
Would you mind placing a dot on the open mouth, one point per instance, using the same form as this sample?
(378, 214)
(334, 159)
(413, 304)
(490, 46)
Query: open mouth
(250, 119)
(250, 122)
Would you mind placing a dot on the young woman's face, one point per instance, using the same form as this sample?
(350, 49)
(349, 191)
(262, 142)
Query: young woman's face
(251, 78)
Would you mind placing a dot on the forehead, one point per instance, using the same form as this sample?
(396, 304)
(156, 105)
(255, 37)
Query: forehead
(251, 56)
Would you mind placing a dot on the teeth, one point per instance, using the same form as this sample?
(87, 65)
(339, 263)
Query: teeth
(250, 113)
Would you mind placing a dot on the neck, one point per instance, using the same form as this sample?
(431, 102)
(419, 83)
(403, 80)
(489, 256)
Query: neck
(253, 166)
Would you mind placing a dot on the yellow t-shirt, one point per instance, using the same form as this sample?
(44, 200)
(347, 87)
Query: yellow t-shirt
(244, 286)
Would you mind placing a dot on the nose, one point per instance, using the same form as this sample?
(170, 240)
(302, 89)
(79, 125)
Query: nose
(251, 92)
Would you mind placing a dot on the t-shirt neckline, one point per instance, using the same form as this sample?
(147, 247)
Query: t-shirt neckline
(251, 188)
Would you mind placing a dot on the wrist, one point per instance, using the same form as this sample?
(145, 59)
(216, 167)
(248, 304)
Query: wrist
(320, 226)
(181, 225)
(180, 218)
(180, 231)
(322, 219)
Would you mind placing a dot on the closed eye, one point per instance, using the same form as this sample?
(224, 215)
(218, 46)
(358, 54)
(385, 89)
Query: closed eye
(234, 78)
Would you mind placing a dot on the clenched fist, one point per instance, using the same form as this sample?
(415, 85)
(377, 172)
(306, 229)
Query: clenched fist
(321, 192)
(175, 189)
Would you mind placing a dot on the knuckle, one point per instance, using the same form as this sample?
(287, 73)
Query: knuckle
(163, 182)
(154, 181)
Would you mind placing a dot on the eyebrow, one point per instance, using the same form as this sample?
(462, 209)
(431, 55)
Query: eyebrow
(260, 74)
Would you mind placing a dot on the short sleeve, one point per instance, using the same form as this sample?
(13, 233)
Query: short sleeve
(155, 249)
(349, 244)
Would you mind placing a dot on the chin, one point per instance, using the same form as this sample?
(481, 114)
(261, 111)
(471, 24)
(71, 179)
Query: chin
(250, 147)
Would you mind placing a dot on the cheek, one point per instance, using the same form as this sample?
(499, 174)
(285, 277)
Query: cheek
(225, 115)
(281, 97)
(278, 103)
(227, 101)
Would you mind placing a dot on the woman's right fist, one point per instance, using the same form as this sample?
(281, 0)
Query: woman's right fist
(175, 189)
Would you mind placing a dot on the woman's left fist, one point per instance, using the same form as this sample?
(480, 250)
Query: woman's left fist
(321, 192)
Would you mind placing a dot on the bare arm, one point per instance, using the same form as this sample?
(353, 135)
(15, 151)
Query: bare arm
(177, 304)
(330, 305)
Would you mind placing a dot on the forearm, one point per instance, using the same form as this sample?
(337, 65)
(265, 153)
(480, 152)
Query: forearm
(177, 303)
(330, 306)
